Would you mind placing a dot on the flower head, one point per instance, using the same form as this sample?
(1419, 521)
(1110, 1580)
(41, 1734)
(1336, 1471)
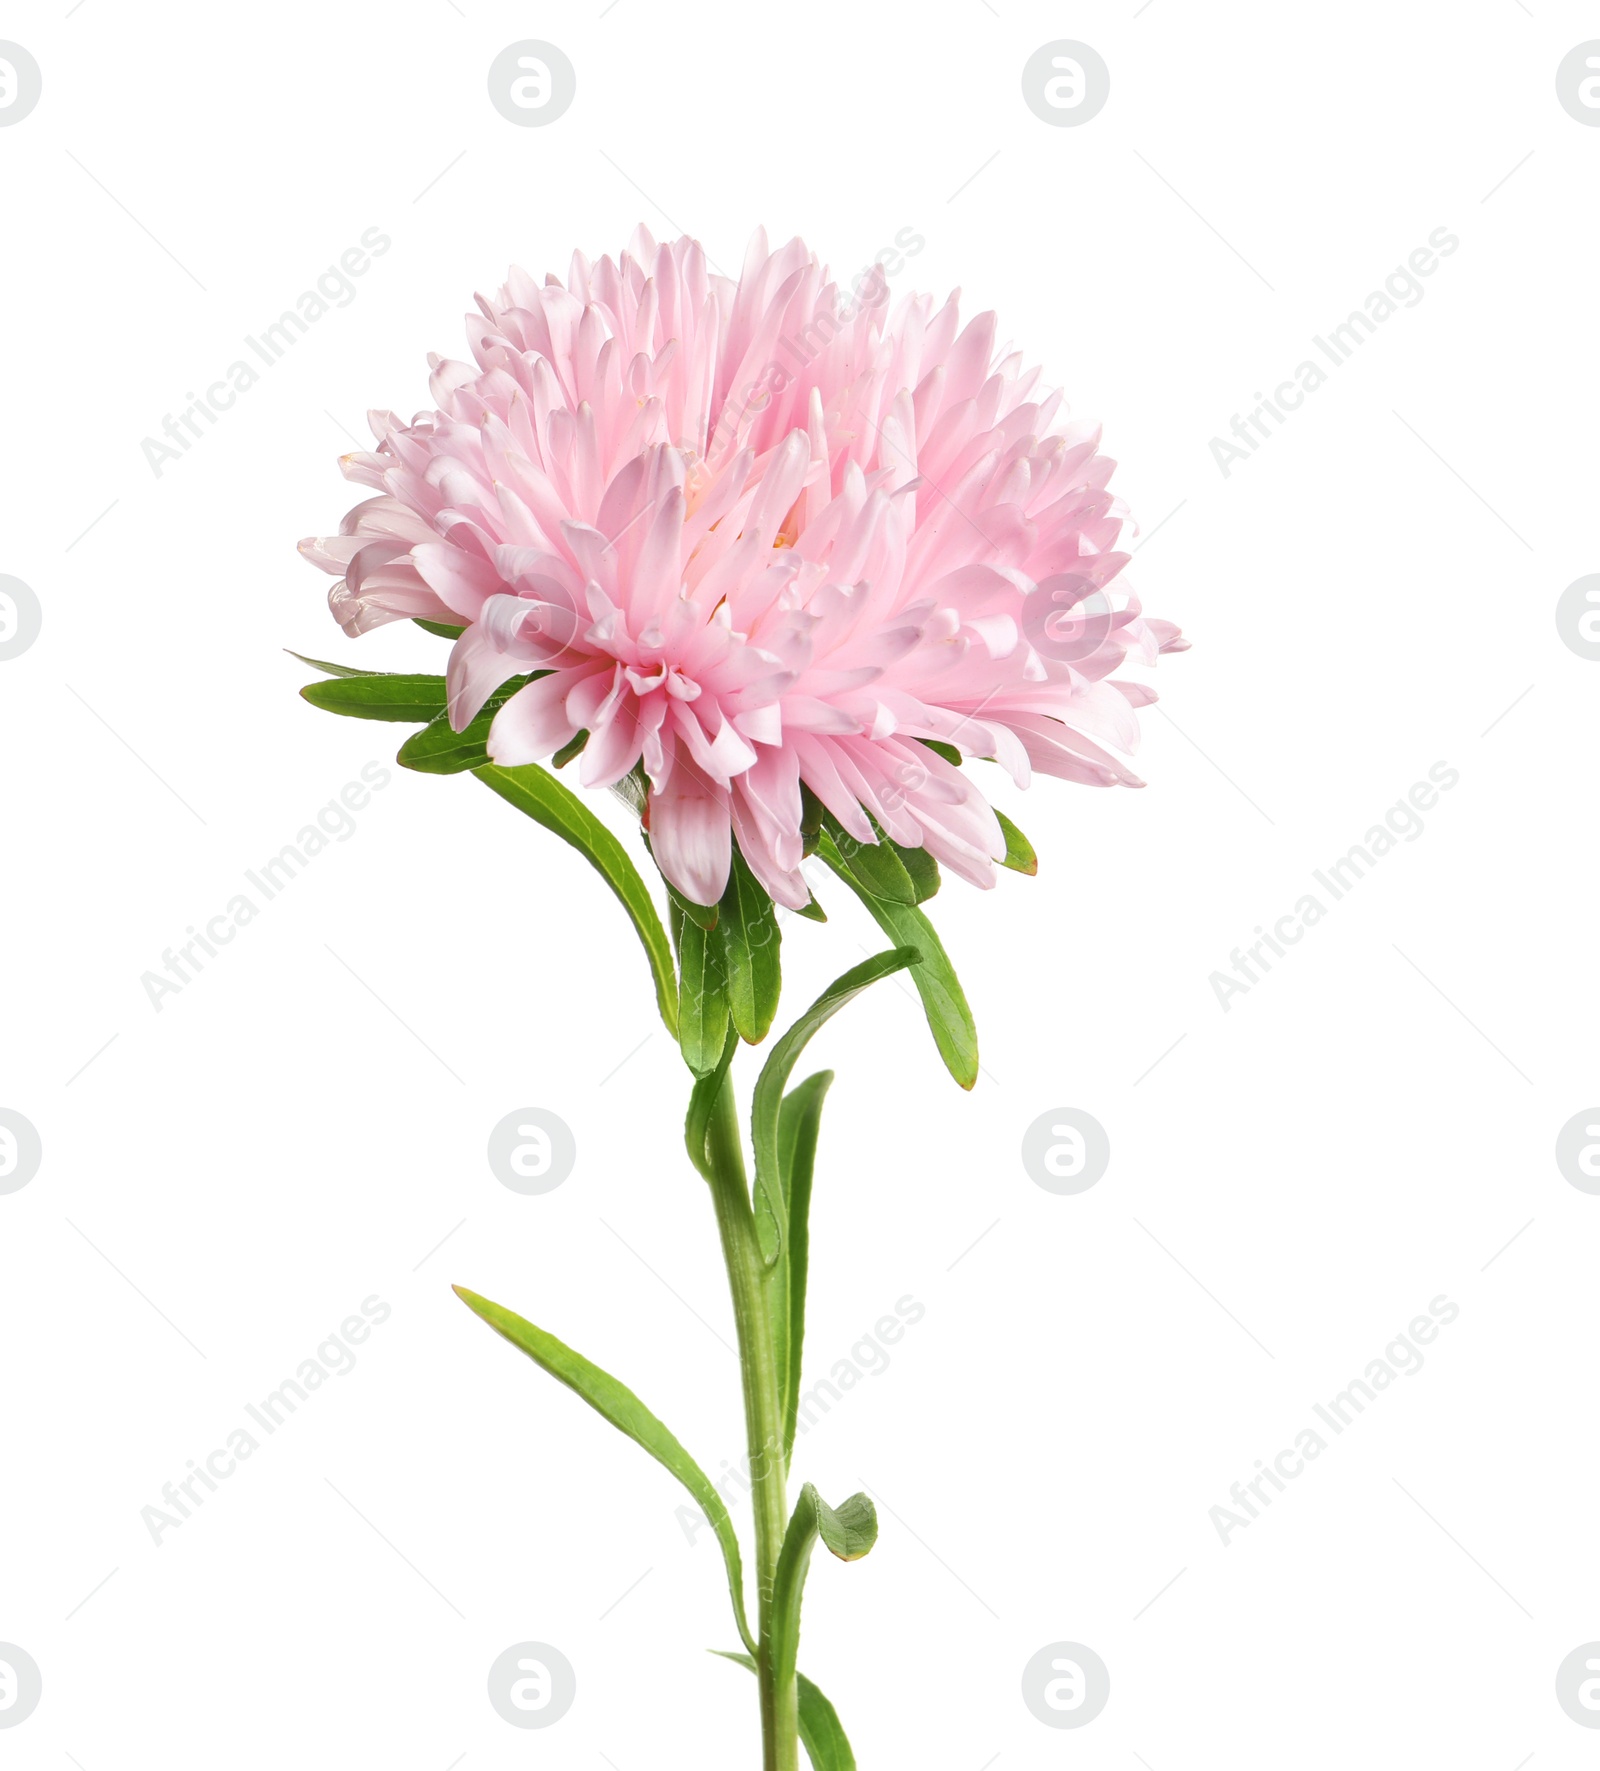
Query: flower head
(757, 536)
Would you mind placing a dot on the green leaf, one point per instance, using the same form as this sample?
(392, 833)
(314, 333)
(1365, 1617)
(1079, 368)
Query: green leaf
(540, 796)
(634, 791)
(874, 867)
(573, 747)
(822, 1731)
(702, 989)
(812, 813)
(948, 751)
(415, 698)
(848, 1533)
(702, 1098)
(767, 1104)
(922, 868)
(443, 628)
(943, 1001)
(812, 911)
(437, 750)
(748, 928)
(703, 916)
(820, 1728)
(332, 669)
(1019, 856)
(799, 1121)
(618, 1404)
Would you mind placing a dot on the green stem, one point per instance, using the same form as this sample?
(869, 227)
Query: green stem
(749, 1281)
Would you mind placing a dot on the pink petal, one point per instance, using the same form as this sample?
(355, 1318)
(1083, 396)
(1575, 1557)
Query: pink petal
(691, 833)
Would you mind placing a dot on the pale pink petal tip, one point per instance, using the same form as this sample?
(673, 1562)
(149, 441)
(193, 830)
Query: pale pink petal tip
(761, 535)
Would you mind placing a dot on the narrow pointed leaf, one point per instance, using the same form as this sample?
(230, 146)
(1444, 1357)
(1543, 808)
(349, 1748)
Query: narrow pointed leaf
(812, 812)
(442, 628)
(415, 698)
(618, 1404)
(1019, 856)
(848, 1533)
(821, 1732)
(943, 1000)
(767, 1104)
(874, 867)
(702, 990)
(922, 869)
(328, 669)
(574, 746)
(799, 1121)
(703, 916)
(948, 751)
(437, 750)
(702, 1099)
(812, 911)
(747, 921)
(540, 796)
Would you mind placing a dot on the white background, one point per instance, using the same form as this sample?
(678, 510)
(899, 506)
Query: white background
(1290, 1183)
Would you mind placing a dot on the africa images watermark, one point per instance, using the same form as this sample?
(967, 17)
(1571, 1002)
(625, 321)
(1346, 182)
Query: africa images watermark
(869, 1357)
(1401, 288)
(1401, 823)
(1401, 1358)
(334, 1357)
(335, 822)
(334, 288)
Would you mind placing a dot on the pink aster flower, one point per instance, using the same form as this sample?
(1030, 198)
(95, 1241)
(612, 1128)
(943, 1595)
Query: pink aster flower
(756, 535)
